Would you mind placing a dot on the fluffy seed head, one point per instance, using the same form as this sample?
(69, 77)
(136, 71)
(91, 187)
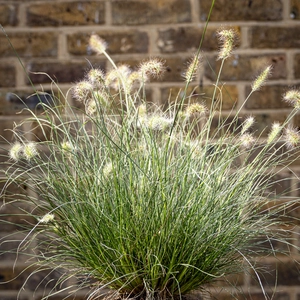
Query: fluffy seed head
(47, 218)
(274, 133)
(30, 151)
(107, 169)
(261, 79)
(248, 123)
(292, 137)
(151, 68)
(159, 123)
(16, 151)
(247, 140)
(227, 38)
(82, 90)
(192, 69)
(195, 108)
(293, 97)
(97, 44)
(67, 146)
(95, 77)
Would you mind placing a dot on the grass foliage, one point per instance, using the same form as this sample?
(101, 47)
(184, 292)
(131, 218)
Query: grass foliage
(151, 203)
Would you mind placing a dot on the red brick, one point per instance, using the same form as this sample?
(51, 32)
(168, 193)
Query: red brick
(274, 37)
(244, 10)
(119, 42)
(29, 44)
(66, 13)
(132, 12)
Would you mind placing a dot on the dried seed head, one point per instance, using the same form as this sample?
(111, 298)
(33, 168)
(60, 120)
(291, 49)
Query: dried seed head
(47, 218)
(275, 131)
(30, 151)
(116, 77)
(91, 107)
(293, 97)
(248, 123)
(260, 80)
(247, 140)
(97, 44)
(82, 90)
(15, 152)
(291, 137)
(195, 108)
(95, 77)
(67, 146)
(192, 69)
(159, 123)
(227, 38)
(151, 68)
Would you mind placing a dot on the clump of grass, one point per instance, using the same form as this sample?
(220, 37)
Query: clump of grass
(150, 203)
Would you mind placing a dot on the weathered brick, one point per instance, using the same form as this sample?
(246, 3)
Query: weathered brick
(295, 9)
(202, 95)
(60, 72)
(187, 39)
(274, 37)
(268, 97)
(246, 67)
(297, 66)
(8, 15)
(132, 12)
(245, 10)
(66, 13)
(279, 273)
(131, 41)
(7, 75)
(29, 44)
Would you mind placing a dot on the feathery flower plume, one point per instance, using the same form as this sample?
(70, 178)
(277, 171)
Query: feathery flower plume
(97, 44)
(195, 108)
(275, 131)
(107, 169)
(67, 146)
(159, 123)
(192, 69)
(247, 140)
(47, 218)
(227, 38)
(293, 97)
(16, 151)
(291, 137)
(30, 151)
(248, 123)
(82, 90)
(260, 80)
(151, 68)
(95, 77)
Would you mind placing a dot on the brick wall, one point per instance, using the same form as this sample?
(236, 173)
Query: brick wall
(51, 36)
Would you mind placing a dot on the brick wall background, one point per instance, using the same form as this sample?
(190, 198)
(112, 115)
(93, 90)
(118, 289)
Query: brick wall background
(51, 36)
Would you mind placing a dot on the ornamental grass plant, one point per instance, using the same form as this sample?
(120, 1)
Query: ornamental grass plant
(151, 203)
